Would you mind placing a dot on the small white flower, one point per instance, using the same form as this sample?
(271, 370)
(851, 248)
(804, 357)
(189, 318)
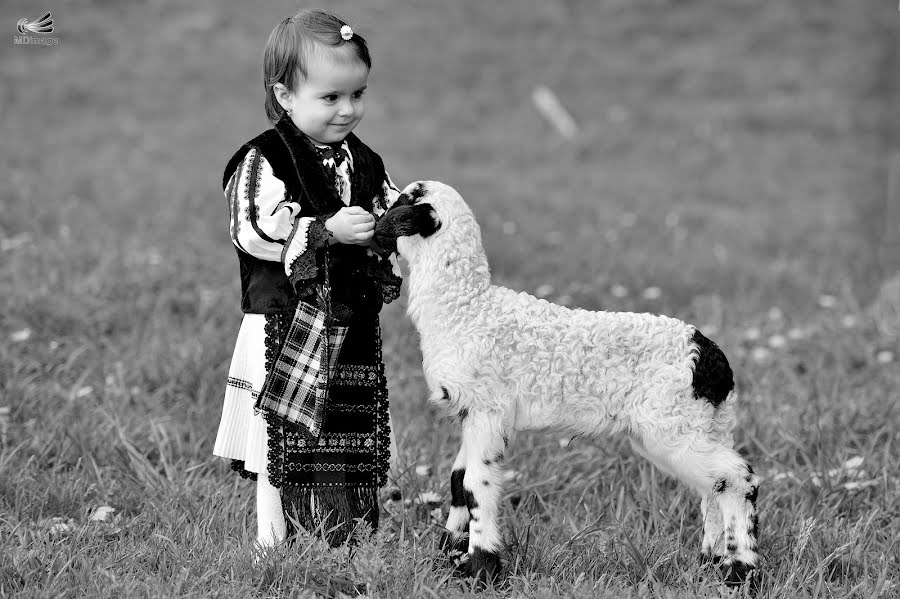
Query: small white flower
(854, 463)
(777, 341)
(849, 321)
(796, 334)
(652, 293)
(672, 220)
(14, 242)
(775, 313)
(4, 422)
(510, 474)
(19, 336)
(619, 291)
(752, 334)
(83, 392)
(424, 470)
(564, 300)
(428, 497)
(760, 354)
(102, 513)
(208, 296)
(885, 356)
(628, 219)
(154, 256)
(346, 32)
(853, 485)
(59, 526)
(544, 290)
(54, 345)
(827, 301)
(564, 442)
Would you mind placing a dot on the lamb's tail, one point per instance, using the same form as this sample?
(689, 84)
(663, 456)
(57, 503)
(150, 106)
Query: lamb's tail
(713, 379)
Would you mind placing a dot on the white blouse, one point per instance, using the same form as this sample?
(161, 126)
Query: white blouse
(264, 232)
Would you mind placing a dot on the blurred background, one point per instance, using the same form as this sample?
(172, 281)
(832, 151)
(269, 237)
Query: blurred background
(731, 166)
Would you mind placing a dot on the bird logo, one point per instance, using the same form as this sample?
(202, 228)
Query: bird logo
(41, 25)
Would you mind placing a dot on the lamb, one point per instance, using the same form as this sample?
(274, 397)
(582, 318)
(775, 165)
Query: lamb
(499, 361)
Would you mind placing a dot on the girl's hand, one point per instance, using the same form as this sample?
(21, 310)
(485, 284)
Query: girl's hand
(351, 225)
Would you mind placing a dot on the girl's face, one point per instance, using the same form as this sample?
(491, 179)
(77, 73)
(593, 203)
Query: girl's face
(328, 104)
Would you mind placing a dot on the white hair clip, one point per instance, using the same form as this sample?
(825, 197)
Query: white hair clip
(346, 32)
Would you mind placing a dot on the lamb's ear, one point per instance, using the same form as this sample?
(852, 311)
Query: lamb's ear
(425, 219)
(411, 194)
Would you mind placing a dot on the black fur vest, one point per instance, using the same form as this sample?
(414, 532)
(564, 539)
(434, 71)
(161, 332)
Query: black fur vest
(355, 277)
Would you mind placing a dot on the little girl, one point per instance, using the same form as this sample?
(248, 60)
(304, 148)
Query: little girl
(303, 198)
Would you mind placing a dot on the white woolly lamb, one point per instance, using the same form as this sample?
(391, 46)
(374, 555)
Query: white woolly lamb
(501, 361)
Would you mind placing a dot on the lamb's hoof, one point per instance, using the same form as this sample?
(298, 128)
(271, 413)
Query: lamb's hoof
(453, 543)
(484, 567)
(738, 573)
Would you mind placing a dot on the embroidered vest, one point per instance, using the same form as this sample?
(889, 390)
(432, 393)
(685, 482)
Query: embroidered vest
(265, 288)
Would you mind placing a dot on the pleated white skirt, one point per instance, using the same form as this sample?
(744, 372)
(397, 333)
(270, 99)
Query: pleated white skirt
(242, 434)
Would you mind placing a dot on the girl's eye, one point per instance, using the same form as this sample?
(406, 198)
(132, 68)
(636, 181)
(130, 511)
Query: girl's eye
(330, 98)
(359, 94)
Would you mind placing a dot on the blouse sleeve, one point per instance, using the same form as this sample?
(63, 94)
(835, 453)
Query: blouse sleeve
(389, 194)
(264, 221)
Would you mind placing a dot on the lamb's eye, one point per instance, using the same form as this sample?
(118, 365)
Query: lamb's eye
(447, 263)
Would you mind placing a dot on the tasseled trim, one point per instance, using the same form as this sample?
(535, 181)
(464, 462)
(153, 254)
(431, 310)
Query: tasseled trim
(307, 507)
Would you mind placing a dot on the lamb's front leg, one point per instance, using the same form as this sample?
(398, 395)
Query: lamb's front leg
(483, 439)
(458, 518)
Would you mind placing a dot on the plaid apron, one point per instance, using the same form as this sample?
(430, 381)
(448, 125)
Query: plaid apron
(296, 388)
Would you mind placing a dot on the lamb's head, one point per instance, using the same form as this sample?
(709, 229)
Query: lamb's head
(433, 228)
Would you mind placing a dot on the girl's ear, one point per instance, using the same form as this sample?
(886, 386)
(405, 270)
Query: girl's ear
(283, 95)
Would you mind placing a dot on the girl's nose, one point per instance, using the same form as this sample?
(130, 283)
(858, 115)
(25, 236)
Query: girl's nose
(345, 108)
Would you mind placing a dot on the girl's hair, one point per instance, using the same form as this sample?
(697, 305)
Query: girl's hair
(292, 44)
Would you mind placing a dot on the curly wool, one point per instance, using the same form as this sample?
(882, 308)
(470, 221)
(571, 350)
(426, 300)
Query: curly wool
(540, 364)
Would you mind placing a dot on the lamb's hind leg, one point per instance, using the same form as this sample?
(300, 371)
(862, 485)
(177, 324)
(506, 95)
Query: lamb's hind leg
(483, 438)
(729, 488)
(458, 520)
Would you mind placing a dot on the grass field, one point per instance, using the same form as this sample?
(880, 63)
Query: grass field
(733, 158)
